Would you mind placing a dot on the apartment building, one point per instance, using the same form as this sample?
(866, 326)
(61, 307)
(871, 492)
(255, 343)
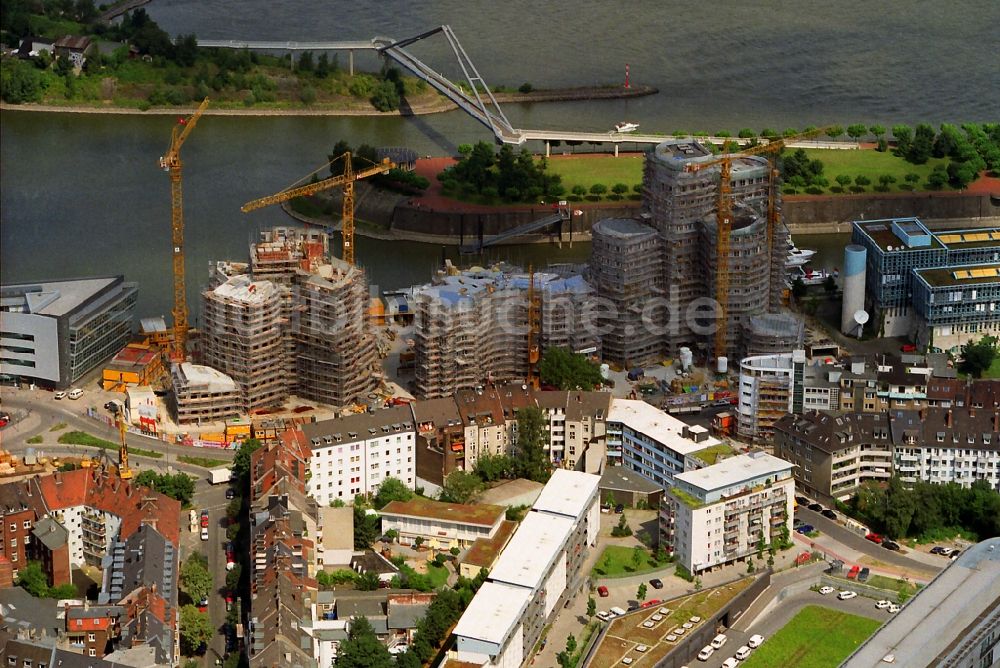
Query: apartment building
(18, 507)
(718, 514)
(955, 305)
(577, 428)
(506, 617)
(203, 394)
(439, 525)
(944, 445)
(834, 454)
(352, 455)
(652, 443)
(767, 391)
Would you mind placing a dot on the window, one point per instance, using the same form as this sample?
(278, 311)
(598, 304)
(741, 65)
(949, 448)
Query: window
(92, 652)
(13, 526)
(91, 637)
(27, 524)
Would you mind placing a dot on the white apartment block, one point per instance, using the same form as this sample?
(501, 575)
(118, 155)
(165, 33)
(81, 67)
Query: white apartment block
(354, 454)
(716, 515)
(540, 567)
(650, 442)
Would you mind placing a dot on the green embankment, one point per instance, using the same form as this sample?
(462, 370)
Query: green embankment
(816, 637)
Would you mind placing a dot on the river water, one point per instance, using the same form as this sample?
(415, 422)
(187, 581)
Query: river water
(82, 194)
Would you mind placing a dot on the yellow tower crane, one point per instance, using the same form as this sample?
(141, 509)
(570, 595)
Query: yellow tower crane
(124, 472)
(534, 329)
(724, 216)
(171, 162)
(347, 180)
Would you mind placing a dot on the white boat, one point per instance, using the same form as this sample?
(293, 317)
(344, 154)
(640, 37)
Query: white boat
(809, 276)
(626, 127)
(798, 257)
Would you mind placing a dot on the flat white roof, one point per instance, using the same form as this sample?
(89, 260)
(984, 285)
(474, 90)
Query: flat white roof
(494, 612)
(532, 549)
(205, 376)
(243, 289)
(733, 471)
(656, 424)
(567, 493)
(925, 631)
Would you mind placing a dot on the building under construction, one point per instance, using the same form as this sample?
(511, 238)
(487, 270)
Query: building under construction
(291, 321)
(471, 327)
(657, 267)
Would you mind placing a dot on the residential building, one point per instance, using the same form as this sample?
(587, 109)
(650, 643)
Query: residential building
(720, 514)
(203, 394)
(27, 617)
(335, 537)
(352, 455)
(18, 507)
(50, 545)
(439, 525)
(485, 551)
(54, 332)
(652, 443)
(36, 654)
(767, 391)
(94, 630)
(953, 621)
(577, 428)
(506, 617)
(898, 248)
(440, 439)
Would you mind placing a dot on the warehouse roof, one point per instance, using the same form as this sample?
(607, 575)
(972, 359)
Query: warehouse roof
(568, 493)
(540, 535)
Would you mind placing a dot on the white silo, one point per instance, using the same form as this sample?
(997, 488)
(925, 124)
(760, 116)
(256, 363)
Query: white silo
(853, 283)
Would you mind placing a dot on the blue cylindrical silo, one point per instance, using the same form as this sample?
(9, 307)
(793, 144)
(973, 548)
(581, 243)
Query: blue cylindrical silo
(853, 282)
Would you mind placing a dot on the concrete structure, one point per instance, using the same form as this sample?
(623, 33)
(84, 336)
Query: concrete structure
(953, 621)
(335, 540)
(136, 364)
(619, 485)
(652, 443)
(897, 247)
(506, 617)
(485, 551)
(716, 515)
(472, 326)
(956, 305)
(54, 332)
(853, 285)
(441, 526)
(203, 394)
(353, 455)
(767, 391)
(301, 313)
(770, 333)
(626, 269)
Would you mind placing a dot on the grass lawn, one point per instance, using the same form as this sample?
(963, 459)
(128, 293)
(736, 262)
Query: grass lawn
(711, 454)
(205, 462)
(892, 584)
(86, 440)
(872, 164)
(588, 170)
(816, 637)
(619, 563)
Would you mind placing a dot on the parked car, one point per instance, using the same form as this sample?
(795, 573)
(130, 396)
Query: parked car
(75, 393)
(863, 575)
(847, 595)
(602, 591)
(634, 605)
(873, 537)
(755, 641)
(719, 640)
(796, 523)
(829, 514)
(893, 608)
(731, 662)
(230, 493)
(826, 590)
(616, 611)
(881, 605)
(706, 652)
(204, 519)
(853, 573)
(743, 653)
(204, 533)
(802, 501)
(657, 583)
(620, 508)
(203, 604)
(603, 616)
(890, 545)
(627, 661)
(908, 348)
(937, 549)
(806, 528)
(59, 395)
(815, 507)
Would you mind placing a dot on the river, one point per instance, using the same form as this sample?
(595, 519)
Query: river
(82, 194)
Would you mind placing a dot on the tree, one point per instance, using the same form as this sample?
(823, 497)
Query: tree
(33, 579)
(598, 189)
(937, 180)
(305, 63)
(798, 289)
(591, 607)
(638, 556)
(619, 189)
(391, 489)
(385, 96)
(622, 529)
(525, 88)
(830, 285)
(761, 545)
(912, 179)
(571, 644)
(367, 529)
(856, 131)
(531, 460)
(579, 190)
(697, 584)
(886, 180)
(323, 66)
(746, 133)
(640, 594)
(461, 487)
(241, 462)
(977, 356)
(843, 180)
(195, 578)
(196, 630)
(919, 151)
(362, 649)
(490, 467)
(877, 130)
(233, 577)
(20, 83)
(568, 370)
(834, 131)
(367, 581)
(178, 486)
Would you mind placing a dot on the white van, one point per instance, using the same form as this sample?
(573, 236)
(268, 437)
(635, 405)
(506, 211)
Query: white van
(718, 641)
(75, 393)
(616, 611)
(705, 653)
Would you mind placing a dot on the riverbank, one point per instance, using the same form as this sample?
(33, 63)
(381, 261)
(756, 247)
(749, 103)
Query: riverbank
(439, 105)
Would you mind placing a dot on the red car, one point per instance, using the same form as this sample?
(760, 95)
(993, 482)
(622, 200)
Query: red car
(874, 537)
(908, 348)
(602, 591)
(853, 573)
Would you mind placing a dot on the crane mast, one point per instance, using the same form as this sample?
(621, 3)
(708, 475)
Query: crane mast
(124, 472)
(171, 162)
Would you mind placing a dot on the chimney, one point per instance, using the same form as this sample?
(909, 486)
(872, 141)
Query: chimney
(947, 418)
(972, 411)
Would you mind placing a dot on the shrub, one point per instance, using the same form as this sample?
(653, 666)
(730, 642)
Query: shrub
(814, 190)
(525, 88)
(385, 96)
(307, 95)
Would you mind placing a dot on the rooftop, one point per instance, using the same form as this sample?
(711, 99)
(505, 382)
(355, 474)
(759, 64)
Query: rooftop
(567, 493)
(656, 424)
(485, 550)
(881, 233)
(540, 535)
(493, 613)
(930, 627)
(396, 419)
(54, 298)
(246, 291)
(621, 478)
(623, 228)
(960, 275)
(733, 471)
(204, 378)
(483, 515)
